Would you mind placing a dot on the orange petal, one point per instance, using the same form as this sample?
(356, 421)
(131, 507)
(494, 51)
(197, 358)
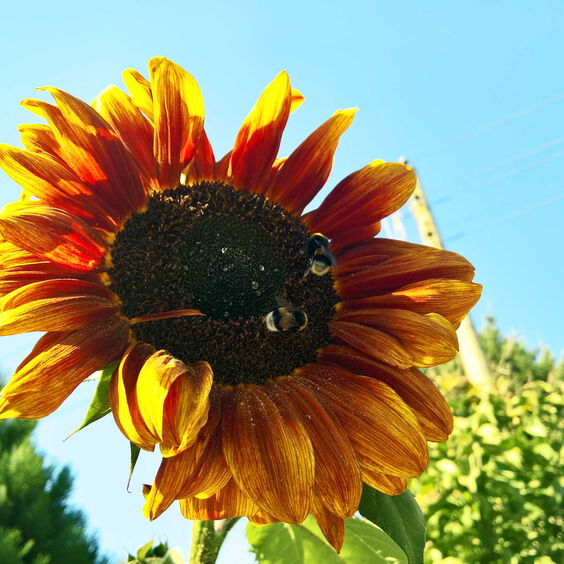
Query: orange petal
(173, 400)
(428, 339)
(55, 305)
(269, 453)
(134, 130)
(308, 167)
(258, 140)
(227, 503)
(385, 483)
(332, 526)
(337, 476)
(200, 469)
(372, 342)
(178, 117)
(93, 151)
(139, 90)
(363, 198)
(57, 365)
(53, 234)
(123, 398)
(382, 429)
(414, 388)
(452, 299)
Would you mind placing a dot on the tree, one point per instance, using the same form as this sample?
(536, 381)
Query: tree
(493, 493)
(36, 524)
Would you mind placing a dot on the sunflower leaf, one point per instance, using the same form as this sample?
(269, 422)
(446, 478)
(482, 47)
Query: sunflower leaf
(100, 404)
(400, 517)
(282, 543)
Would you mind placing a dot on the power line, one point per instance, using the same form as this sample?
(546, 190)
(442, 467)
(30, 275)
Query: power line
(500, 164)
(499, 177)
(470, 217)
(534, 207)
(488, 127)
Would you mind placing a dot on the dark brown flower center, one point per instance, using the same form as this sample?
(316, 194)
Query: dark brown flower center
(235, 256)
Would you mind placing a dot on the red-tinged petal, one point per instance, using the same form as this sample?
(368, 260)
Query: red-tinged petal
(53, 234)
(186, 408)
(227, 503)
(220, 168)
(174, 400)
(297, 100)
(123, 398)
(308, 167)
(94, 152)
(376, 344)
(381, 427)
(55, 305)
(139, 90)
(337, 476)
(54, 184)
(385, 483)
(414, 388)
(428, 339)
(352, 238)
(135, 131)
(452, 299)
(397, 271)
(19, 268)
(57, 365)
(200, 469)
(178, 118)
(202, 166)
(332, 526)
(363, 198)
(57, 288)
(269, 453)
(38, 138)
(258, 140)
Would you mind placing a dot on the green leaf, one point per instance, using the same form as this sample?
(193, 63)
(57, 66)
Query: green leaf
(282, 543)
(135, 450)
(400, 517)
(100, 404)
(145, 550)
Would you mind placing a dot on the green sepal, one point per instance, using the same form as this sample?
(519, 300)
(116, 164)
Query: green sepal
(134, 450)
(281, 543)
(100, 404)
(399, 516)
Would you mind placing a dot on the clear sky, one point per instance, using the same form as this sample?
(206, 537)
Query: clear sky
(472, 93)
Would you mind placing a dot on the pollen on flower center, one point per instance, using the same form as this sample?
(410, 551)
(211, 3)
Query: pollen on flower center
(234, 256)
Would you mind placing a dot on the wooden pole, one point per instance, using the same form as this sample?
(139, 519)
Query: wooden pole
(472, 356)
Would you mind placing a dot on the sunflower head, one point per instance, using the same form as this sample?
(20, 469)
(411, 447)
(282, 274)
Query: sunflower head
(273, 355)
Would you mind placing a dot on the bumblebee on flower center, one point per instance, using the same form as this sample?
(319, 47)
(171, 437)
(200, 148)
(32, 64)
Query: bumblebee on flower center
(236, 257)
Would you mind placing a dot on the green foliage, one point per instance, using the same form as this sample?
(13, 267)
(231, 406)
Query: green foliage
(282, 543)
(36, 524)
(493, 493)
(399, 516)
(100, 403)
(158, 554)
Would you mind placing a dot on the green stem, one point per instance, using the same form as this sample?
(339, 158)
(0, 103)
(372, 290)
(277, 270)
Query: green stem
(207, 538)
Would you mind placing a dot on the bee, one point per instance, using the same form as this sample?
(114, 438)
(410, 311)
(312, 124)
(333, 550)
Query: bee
(285, 318)
(321, 259)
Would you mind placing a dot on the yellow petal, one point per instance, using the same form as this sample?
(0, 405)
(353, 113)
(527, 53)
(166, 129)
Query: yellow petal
(178, 118)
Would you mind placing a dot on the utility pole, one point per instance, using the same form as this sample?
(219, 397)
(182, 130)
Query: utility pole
(472, 356)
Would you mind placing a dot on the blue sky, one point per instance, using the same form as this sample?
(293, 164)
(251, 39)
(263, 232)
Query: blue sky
(470, 92)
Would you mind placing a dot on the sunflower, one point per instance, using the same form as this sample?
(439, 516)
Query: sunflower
(273, 355)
